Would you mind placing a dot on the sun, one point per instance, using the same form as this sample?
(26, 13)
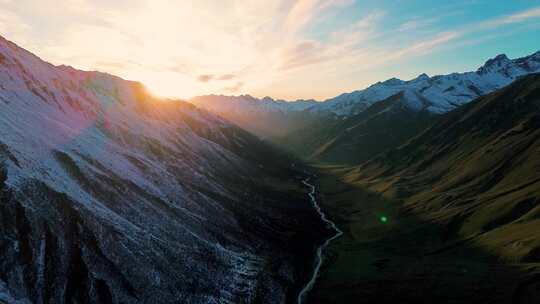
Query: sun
(168, 85)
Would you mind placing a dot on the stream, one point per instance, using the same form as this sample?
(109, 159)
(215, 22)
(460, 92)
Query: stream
(319, 253)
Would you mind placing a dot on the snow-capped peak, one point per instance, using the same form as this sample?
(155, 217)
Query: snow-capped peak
(421, 77)
(493, 65)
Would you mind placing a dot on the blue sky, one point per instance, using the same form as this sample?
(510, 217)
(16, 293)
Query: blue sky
(482, 30)
(280, 48)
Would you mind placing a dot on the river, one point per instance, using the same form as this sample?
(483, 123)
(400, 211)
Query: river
(319, 253)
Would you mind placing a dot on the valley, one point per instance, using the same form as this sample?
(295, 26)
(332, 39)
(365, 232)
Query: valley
(436, 206)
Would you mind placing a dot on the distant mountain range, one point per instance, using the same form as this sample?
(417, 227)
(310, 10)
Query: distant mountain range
(438, 94)
(353, 127)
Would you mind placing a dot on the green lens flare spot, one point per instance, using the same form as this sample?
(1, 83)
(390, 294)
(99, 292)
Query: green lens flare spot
(383, 219)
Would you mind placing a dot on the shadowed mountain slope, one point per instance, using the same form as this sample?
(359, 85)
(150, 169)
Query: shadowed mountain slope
(481, 164)
(453, 215)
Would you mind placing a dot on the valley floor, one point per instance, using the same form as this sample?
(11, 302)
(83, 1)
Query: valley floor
(388, 255)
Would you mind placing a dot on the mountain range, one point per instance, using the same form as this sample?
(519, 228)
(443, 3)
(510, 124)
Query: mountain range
(437, 94)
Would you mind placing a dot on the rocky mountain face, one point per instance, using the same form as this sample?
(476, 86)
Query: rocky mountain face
(110, 195)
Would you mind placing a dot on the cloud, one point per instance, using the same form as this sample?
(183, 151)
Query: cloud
(416, 23)
(514, 18)
(226, 77)
(426, 46)
(13, 26)
(302, 12)
(205, 78)
(472, 31)
(255, 39)
(235, 88)
(340, 43)
(211, 77)
(440, 40)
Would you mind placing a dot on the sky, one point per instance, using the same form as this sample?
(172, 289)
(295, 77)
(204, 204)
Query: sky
(285, 49)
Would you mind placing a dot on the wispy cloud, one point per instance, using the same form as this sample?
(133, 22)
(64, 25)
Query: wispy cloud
(340, 43)
(510, 19)
(263, 47)
(235, 88)
(302, 12)
(13, 25)
(211, 77)
(425, 46)
(416, 24)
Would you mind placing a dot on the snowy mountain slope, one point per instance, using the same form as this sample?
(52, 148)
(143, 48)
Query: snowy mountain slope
(111, 195)
(437, 94)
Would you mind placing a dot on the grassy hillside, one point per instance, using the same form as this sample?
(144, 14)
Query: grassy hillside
(451, 216)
